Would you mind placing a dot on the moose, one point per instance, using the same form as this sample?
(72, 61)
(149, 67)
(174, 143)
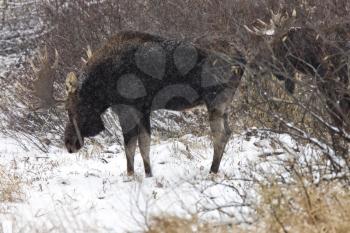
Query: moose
(136, 73)
(306, 51)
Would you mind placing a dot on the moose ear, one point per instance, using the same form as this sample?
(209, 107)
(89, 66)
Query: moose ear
(71, 83)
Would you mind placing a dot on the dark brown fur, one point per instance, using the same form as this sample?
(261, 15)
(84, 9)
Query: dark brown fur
(306, 51)
(136, 73)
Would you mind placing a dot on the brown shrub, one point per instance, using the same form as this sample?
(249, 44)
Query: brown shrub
(305, 208)
(10, 186)
(300, 207)
(174, 224)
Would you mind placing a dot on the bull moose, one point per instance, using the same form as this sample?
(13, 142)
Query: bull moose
(304, 50)
(136, 73)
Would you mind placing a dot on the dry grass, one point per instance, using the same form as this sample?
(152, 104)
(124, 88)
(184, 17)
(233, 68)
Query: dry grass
(304, 208)
(174, 224)
(10, 186)
(294, 208)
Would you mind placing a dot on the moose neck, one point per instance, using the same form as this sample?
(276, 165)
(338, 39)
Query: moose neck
(92, 95)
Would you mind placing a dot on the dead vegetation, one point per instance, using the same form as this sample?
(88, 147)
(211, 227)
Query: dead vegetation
(11, 186)
(300, 207)
(304, 207)
(174, 224)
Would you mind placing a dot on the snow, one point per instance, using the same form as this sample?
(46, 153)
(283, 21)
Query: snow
(90, 190)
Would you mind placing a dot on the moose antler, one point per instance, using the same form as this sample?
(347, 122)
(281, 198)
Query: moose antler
(45, 76)
(277, 22)
(88, 54)
(71, 83)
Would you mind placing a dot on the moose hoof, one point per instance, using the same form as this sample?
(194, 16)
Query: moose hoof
(128, 178)
(214, 170)
(148, 174)
(130, 173)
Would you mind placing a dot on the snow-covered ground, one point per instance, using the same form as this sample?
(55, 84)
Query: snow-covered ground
(90, 190)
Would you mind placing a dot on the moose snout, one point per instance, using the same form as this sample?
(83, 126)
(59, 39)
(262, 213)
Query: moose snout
(72, 144)
(71, 139)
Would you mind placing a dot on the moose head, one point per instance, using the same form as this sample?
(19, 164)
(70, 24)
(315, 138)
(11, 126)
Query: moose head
(272, 54)
(84, 121)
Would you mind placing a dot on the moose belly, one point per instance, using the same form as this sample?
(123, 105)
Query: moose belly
(180, 104)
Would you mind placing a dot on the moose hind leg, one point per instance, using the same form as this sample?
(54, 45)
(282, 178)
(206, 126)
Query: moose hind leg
(144, 139)
(130, 140)
(220, 133)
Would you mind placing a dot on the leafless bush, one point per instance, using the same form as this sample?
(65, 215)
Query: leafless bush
(307, 115)
(303, 207)
(292, 208)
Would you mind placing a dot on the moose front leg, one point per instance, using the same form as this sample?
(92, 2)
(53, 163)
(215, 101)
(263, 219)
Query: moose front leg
(144, 139)
(220, 133)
